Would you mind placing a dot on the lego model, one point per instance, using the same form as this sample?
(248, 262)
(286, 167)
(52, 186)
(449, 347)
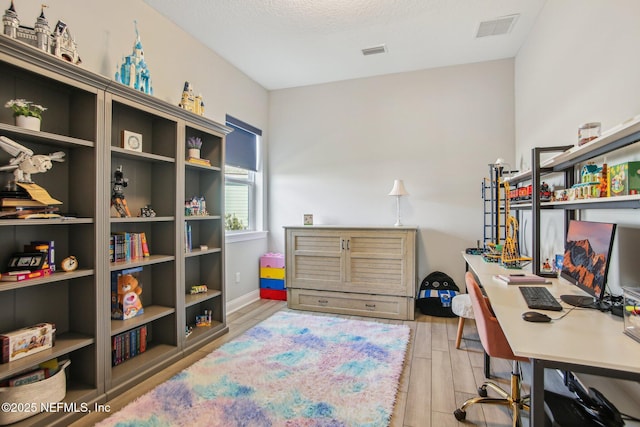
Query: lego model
(133, 71)
(117, 195)
(24, 162)
(59, 43)
(190, 102)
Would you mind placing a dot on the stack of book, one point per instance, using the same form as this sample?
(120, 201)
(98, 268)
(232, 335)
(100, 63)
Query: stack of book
(199, 161)
(48, 267)
(128, 344)
(21, 206)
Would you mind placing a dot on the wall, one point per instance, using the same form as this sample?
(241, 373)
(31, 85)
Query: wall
(105, 33)
(336, 148)
(577, 68)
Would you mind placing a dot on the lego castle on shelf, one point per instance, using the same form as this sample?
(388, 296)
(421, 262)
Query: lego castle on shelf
(59, 43)
(190, 102)
(134, 72)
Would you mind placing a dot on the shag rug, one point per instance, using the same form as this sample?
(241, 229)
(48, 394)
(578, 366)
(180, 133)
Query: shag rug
(292, 369)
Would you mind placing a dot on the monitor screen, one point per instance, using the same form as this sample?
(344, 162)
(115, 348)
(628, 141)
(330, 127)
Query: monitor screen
(587, 251)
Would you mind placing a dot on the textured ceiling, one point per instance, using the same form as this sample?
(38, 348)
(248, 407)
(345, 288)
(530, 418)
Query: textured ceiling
(288, 43)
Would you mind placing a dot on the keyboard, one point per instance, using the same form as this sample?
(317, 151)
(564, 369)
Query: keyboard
(539, 298)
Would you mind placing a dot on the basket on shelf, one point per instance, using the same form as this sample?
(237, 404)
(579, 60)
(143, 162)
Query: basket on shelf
(27, 399)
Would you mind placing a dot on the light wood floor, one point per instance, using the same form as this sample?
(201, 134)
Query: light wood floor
(436, 379)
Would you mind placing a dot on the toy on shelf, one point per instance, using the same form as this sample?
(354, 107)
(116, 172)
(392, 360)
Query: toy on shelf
(59, 43)
(198, 289)
(204, 319)
(125, 294)
(196, 206)
(147, 212)
(117, 195)
(508, 253)
(25, 163)
(133, 71)
(191, 102)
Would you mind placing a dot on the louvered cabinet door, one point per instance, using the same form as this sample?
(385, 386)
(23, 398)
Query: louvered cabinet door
(378, 262)
(314, 259)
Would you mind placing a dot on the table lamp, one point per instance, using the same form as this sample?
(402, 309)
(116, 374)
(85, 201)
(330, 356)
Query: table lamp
(398, 190)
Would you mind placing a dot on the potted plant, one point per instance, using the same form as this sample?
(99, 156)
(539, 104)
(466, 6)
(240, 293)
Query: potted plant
(27, 114)
(193, 146)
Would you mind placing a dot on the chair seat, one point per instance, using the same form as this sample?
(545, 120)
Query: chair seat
(461, 306)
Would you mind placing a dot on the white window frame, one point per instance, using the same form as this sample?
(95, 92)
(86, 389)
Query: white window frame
(256, 202)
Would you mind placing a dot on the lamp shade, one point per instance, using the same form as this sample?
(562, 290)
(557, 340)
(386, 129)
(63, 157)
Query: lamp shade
(398, 189)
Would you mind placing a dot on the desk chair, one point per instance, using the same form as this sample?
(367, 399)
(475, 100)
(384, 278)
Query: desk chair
(495, 345)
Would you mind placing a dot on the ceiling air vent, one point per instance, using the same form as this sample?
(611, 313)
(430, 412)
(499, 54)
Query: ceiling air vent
(496, 27)
(374, 50)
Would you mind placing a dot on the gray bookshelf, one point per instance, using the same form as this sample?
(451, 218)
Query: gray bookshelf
(86, 114)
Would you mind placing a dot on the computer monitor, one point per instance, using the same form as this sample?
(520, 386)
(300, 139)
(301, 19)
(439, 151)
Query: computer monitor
(587, 252)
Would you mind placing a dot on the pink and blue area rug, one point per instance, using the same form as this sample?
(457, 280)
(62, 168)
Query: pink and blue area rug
(292, 369)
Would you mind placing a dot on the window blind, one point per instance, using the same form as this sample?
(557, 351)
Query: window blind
(242, 144)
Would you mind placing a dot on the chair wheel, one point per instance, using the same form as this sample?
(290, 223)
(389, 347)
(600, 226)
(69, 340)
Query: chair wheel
(482, 391)
(460, 414)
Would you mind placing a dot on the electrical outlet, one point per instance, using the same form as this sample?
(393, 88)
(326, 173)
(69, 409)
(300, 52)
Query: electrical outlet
(238, 277)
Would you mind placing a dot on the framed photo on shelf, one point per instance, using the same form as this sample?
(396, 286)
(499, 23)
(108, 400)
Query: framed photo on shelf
(131, 141)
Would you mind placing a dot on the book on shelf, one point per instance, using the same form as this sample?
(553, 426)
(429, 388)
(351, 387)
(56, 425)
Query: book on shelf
(46, 246)
(521, 279)
(19, 276)
(128, 344)
(128, 246)
(199, 161)
(17, 202)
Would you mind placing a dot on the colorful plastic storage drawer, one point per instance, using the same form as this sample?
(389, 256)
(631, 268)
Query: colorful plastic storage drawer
(273, 294)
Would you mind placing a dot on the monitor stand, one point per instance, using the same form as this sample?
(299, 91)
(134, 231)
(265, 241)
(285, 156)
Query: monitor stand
(582, 301)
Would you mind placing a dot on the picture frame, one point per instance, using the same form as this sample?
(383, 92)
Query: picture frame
(31, 261)
(308, 219)
(131, 141)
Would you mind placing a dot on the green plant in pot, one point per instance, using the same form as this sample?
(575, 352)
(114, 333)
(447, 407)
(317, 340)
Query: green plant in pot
(27, 114)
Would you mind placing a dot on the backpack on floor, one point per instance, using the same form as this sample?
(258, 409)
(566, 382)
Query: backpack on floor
(435, 295)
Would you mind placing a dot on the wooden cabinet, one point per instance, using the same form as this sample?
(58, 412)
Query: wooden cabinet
(352, 270)
(85, 119)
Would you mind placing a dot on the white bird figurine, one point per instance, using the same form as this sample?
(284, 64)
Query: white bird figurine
(24, 162)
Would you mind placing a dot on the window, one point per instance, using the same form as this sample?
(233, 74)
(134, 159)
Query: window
(241, 176)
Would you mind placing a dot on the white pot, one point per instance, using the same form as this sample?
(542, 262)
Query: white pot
(28, 122)
(194, 152)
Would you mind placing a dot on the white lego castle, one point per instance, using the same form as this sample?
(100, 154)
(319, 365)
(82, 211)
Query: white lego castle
(59, 43)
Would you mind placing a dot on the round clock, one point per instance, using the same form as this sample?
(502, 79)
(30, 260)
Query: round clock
(70, 263)
(134, 142)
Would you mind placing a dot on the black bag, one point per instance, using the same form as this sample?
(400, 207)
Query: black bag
(435, 295)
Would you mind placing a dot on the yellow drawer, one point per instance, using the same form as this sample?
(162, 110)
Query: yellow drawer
(271, 273)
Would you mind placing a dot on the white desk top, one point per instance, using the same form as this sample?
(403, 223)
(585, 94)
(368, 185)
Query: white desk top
(585, 336)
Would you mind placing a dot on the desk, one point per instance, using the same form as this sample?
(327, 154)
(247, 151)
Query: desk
(585, 340)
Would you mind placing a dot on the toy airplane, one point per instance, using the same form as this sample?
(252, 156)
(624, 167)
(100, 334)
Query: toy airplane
(24, 162)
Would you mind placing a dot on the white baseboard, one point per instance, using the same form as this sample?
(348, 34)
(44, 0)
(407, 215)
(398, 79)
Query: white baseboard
(246, 299)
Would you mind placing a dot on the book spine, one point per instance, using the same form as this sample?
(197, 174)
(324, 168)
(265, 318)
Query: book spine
(145, 245)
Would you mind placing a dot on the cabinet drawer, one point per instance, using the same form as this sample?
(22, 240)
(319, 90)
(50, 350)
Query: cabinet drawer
(383, 306)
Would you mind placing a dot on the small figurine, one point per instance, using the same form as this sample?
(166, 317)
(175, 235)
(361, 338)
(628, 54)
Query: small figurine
(117, 195)
(24, 162)
(147, 212)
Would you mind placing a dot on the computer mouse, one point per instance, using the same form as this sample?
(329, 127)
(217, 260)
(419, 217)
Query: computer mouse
(534, 316)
